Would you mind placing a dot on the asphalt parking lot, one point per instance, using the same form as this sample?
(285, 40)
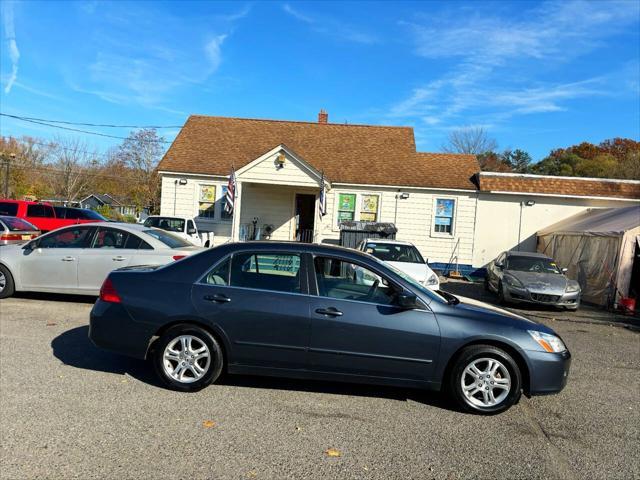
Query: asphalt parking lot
(72, 411)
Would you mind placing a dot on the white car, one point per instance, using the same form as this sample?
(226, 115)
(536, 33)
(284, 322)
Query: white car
(402, 255)
(184, 227)
(77, 259)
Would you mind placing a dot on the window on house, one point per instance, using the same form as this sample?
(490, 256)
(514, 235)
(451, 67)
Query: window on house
(443, 220)
(369, 208)
(207, 201)
(346, 207)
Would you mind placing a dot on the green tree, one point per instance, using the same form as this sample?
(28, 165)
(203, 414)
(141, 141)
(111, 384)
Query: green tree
(518, 160)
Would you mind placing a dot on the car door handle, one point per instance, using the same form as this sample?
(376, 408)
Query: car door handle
(119, 258)
(68, 259)
(334, 312)
(217, 298)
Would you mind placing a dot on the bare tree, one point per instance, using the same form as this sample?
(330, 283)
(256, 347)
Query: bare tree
(72, 164)
(473, 140)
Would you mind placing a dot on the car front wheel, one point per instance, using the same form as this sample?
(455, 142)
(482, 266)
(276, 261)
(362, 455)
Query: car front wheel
(187, 357)
(7, 288)
(485, 380)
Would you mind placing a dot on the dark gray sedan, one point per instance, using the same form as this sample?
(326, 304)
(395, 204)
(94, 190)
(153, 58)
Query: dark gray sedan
(297, 310)
(534, 278)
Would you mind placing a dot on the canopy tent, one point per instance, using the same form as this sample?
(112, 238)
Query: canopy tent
(599, 247)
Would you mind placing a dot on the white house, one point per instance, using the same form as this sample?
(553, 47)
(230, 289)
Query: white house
(440, 202)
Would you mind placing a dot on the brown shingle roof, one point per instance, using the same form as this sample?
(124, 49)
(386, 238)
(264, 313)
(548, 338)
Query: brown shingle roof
(359, 154)
(544, 184)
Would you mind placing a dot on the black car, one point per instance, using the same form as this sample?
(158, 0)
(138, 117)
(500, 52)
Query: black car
(296, 310)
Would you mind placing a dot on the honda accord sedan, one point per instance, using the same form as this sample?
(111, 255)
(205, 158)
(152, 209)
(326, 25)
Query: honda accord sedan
(297, 310)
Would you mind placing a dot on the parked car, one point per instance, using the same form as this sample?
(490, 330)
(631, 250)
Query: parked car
(402, 255)
(16, 230)
(77, 259)
(534, 278)
(184, 227)
(42, 215)
(293, 309)
(72, 213)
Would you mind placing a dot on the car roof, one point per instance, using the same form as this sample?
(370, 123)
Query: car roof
(527, 254)
(388, 242)
(321, 248)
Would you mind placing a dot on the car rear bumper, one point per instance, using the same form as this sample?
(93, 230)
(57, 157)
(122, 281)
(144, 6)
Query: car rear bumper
(112, 328)
(548, 372)
(517, 295)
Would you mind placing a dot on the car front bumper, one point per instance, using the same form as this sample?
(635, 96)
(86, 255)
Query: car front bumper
(548, 372)
(112, 328)
(523, 295)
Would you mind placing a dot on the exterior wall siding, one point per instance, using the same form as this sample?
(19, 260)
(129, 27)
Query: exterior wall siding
(271, 205)
(266, 171)
(506, 223)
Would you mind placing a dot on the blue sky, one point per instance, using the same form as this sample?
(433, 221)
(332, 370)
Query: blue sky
(536, 75)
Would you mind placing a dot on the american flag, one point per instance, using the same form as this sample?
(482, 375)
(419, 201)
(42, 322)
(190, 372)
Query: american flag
(231, 193)
(322, 204)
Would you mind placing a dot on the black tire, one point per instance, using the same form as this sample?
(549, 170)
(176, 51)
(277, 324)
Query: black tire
(9, 287)
(478, 353)
(201, 336)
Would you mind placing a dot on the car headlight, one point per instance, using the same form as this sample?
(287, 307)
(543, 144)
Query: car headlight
(549, 342)
(572, 287)
(431, 280)
(513, 281)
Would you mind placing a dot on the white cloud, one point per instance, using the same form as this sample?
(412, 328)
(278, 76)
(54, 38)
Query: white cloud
(212, 49)
(331, 27)
(497, 61)
(12, 46)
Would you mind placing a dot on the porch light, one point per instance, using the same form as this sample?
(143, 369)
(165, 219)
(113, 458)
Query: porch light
(280, 160)
(182, 181)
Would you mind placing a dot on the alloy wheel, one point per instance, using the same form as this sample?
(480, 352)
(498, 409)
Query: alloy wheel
(3, 281)
(485, 382)
(186, 359)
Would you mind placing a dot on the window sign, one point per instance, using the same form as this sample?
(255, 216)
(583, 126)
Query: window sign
(346, 207)
(369, 208)
(443, 221)
(206, 204)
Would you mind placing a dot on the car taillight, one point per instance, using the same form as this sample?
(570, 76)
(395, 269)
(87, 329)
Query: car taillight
(10, 236)
(108, 292)
(178, 257)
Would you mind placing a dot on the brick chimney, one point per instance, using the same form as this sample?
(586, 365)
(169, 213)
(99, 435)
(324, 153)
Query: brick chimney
(323, 116)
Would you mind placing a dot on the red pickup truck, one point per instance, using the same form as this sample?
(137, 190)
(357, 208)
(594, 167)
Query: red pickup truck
(42, 215)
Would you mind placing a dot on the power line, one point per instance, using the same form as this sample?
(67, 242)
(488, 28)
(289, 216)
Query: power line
(46, 124)
(102, 125)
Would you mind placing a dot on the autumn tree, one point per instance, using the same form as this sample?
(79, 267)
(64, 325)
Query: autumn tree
(140, 153)
(72, 169)
(27, 166)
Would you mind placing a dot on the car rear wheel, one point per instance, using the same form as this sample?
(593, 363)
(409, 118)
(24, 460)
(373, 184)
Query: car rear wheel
(187, 357)
(485, 380)
(7, 287)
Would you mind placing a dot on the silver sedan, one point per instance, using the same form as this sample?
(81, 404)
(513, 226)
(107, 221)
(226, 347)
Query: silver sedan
(78, 258)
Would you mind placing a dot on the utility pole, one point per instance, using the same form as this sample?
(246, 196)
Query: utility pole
(7, 164)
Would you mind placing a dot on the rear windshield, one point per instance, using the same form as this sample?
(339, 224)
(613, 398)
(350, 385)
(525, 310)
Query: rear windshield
(391, 252)
(83, 214)
(17, 224)
(8, 208)
(170, 240)
(166, 223)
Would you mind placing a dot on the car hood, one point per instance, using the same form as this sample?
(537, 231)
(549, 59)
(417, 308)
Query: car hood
(419, 271)
(544, 282)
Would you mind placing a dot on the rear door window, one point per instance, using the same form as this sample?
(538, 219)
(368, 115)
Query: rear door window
(278, 272)
(8, 208)
(40, 211)
(68, 238)
(110, 238)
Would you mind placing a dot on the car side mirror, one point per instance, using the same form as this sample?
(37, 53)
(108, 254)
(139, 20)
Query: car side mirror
(408, 301)
(499, 266)
(30, 246)
(191, 231)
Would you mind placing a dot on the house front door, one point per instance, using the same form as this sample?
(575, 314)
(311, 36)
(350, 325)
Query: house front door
(305, 217)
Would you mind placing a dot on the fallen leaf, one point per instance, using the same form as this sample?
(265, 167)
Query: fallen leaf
(252, 474)
(51, 324)
(333, 452)
(123, 380)
(208, 424)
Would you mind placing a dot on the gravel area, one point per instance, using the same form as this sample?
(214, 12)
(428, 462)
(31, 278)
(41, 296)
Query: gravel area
(70, 410)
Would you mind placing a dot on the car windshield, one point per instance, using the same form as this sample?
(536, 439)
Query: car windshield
(391, 252)
(8, 208)
(532, 264)
(170, 240)
(414, 283)
(91, 215)
(17, 224)
(166, 223)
